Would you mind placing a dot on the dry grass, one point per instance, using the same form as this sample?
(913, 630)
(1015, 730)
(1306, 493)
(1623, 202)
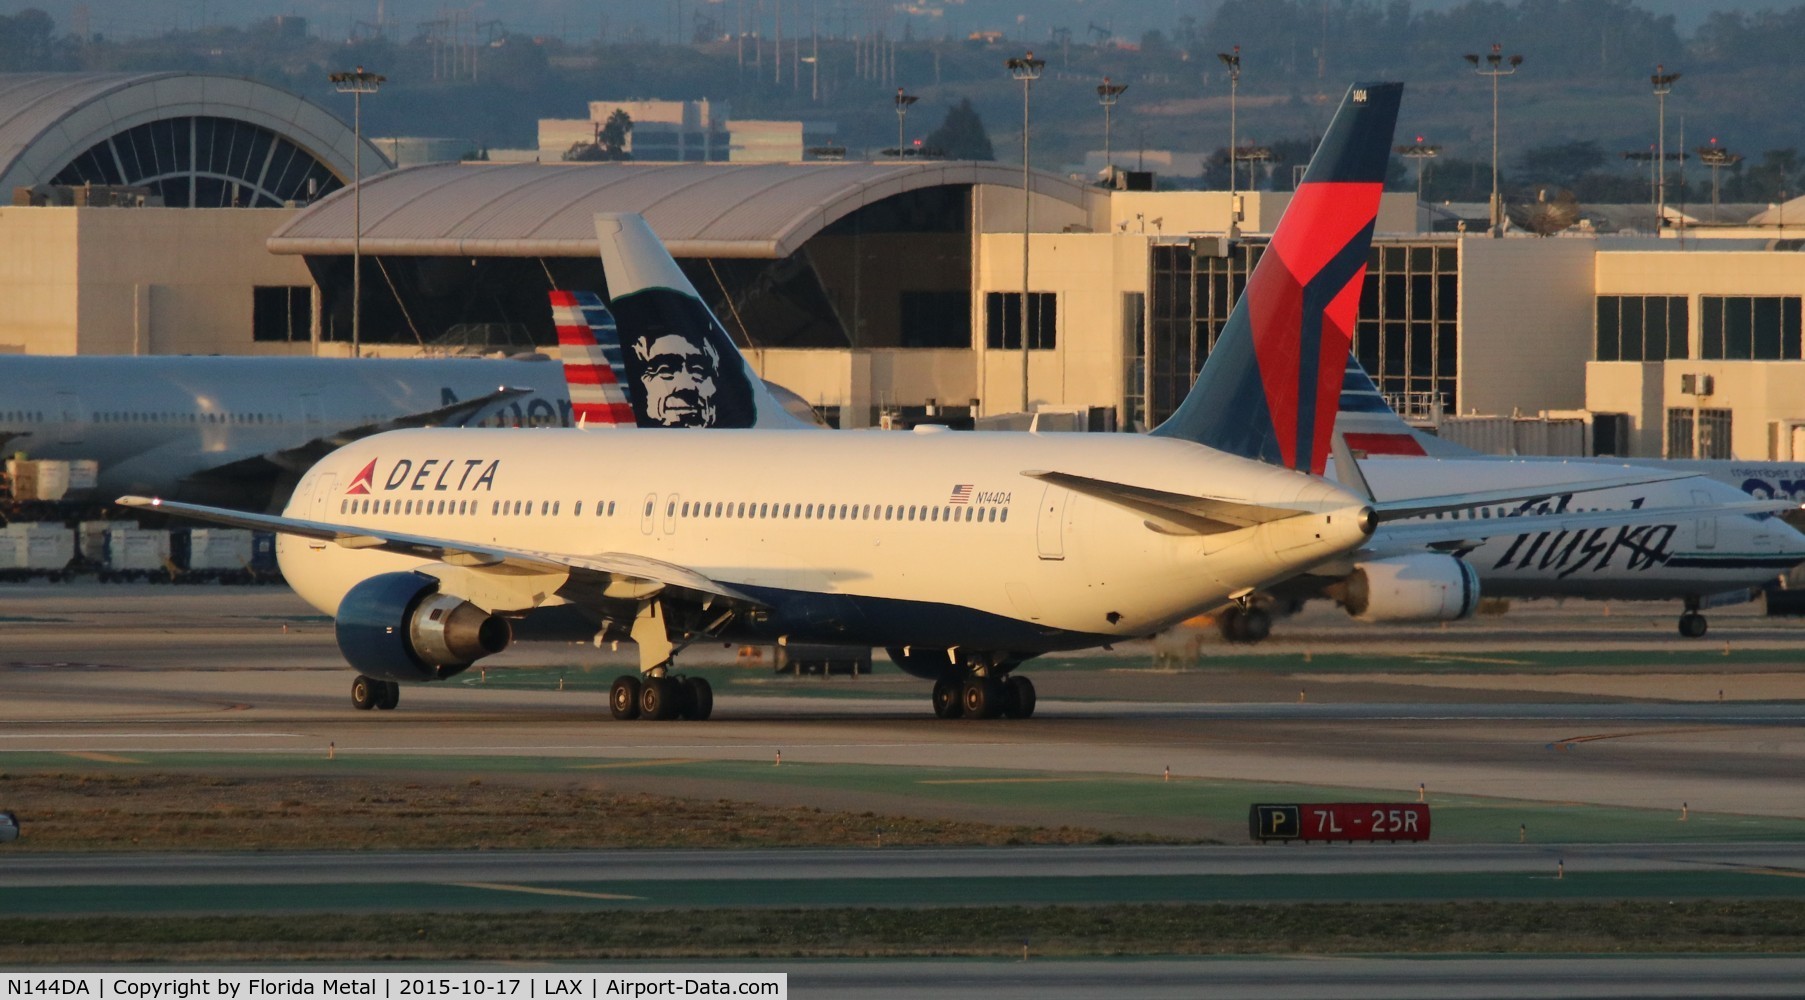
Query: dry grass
(202, 812)
(1765, 927)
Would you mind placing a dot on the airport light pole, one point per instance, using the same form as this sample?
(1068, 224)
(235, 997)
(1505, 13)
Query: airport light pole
(357, 83)
(1027, 70)
(1107, 95)
(1422, 153)
(1232, 59)
(1663, 82)
(1494, 68)
(1716, 157)
(902, 113)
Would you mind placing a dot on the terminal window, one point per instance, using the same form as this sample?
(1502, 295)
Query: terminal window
(1713, 433)
(282, 313)
(1749, 327)
(1641, 327)
(1003, 321)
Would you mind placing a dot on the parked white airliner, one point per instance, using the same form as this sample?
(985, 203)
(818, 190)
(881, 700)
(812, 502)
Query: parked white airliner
(1712, 554)
(968, 553)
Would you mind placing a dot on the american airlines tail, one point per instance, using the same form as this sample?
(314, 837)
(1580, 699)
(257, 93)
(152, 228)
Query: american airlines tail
(680, 367)
(1266, 391)
(589, 347)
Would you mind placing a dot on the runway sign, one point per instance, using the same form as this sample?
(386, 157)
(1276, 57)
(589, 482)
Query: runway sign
(1348, 821)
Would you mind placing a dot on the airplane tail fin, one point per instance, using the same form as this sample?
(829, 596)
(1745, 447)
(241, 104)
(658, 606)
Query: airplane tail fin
(1369, 425)
(681, 369)
(1270, 386)
(589, 347)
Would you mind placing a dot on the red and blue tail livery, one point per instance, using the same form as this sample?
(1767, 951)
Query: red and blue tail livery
(1270, 387)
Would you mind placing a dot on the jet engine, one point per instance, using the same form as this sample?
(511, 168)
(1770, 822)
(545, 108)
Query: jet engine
(1423, 587)
(398, 627)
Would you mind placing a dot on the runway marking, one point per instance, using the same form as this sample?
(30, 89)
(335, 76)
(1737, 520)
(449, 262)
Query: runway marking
(1567, 744)
(104, 758)
(150, 736)
(537, 890)
(1450, 658)
(643, 763)
(1007, 781)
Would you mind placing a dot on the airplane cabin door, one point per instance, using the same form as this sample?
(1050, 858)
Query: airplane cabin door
(670, 513)
(648, 517)
(312, 415)
(1707, 526)
(324, 490)
(1050, 534)
(73, 422)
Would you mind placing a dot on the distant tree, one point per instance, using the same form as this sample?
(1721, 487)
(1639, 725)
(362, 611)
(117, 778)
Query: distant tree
(614, 134)
(27, 41)
(961, 135)
(610, 141)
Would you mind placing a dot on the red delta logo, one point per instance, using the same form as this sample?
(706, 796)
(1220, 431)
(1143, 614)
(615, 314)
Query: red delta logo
(364, 481)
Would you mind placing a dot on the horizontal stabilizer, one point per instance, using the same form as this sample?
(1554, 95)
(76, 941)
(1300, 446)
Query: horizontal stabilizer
(1178, 512)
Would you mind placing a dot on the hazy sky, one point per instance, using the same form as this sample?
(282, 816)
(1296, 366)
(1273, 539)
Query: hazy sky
(657, 18)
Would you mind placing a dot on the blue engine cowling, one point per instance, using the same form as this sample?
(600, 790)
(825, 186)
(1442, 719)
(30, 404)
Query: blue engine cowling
(398, 627)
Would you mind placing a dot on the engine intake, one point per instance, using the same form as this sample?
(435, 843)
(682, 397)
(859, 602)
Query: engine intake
(398, 627)
(1414, 588)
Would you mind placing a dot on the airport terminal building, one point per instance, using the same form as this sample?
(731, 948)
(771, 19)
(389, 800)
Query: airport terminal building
(873, 289)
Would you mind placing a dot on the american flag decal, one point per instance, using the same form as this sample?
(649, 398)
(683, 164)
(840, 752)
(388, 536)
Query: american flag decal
(589, 346)
(961, 494)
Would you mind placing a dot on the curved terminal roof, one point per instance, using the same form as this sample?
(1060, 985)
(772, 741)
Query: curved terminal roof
(47, 120)
(761, 210)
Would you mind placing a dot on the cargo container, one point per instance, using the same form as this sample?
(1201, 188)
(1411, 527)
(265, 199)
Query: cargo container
(137, 554)
(34, 550)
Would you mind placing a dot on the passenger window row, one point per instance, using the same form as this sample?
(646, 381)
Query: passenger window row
(696, 509)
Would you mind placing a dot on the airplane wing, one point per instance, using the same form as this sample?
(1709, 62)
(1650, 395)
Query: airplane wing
(1398, 510)
(601, 572)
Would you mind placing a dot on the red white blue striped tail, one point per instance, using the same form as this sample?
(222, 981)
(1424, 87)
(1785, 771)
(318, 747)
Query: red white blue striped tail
(589, 346)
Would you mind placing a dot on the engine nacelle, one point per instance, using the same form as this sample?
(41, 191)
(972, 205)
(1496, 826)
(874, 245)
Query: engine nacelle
(1415, 588)
(398, 627)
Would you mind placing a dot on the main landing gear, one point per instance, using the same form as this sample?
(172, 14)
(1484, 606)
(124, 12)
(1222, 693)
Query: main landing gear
(971, 697)
(661, 697)
(1249, 624)
(368, 693)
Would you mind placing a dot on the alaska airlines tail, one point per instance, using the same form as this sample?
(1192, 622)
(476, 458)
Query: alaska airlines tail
(681, 368)
(1270, 386)
(589, 347)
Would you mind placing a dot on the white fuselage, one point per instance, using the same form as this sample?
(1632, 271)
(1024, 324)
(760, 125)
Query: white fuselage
(153, 422)
(1693, 554)
(878, 538)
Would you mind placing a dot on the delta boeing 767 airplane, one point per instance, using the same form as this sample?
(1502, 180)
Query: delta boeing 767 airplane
(969, 552)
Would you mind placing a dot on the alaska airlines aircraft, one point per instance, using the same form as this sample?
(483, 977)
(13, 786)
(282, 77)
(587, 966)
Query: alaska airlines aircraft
(1715, 552)
(966, 553)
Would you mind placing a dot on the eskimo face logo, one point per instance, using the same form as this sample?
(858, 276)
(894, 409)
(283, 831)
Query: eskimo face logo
(679, 378)
(364, 481)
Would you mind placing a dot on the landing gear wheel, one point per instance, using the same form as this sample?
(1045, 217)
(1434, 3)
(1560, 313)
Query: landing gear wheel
(701, 698)
(946, 698)
(982, 698)
(389, 697)
(1693, 625)
(1256, 625)
(623, 697)
(660, 698)
(1018, 702)
(364, 692)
